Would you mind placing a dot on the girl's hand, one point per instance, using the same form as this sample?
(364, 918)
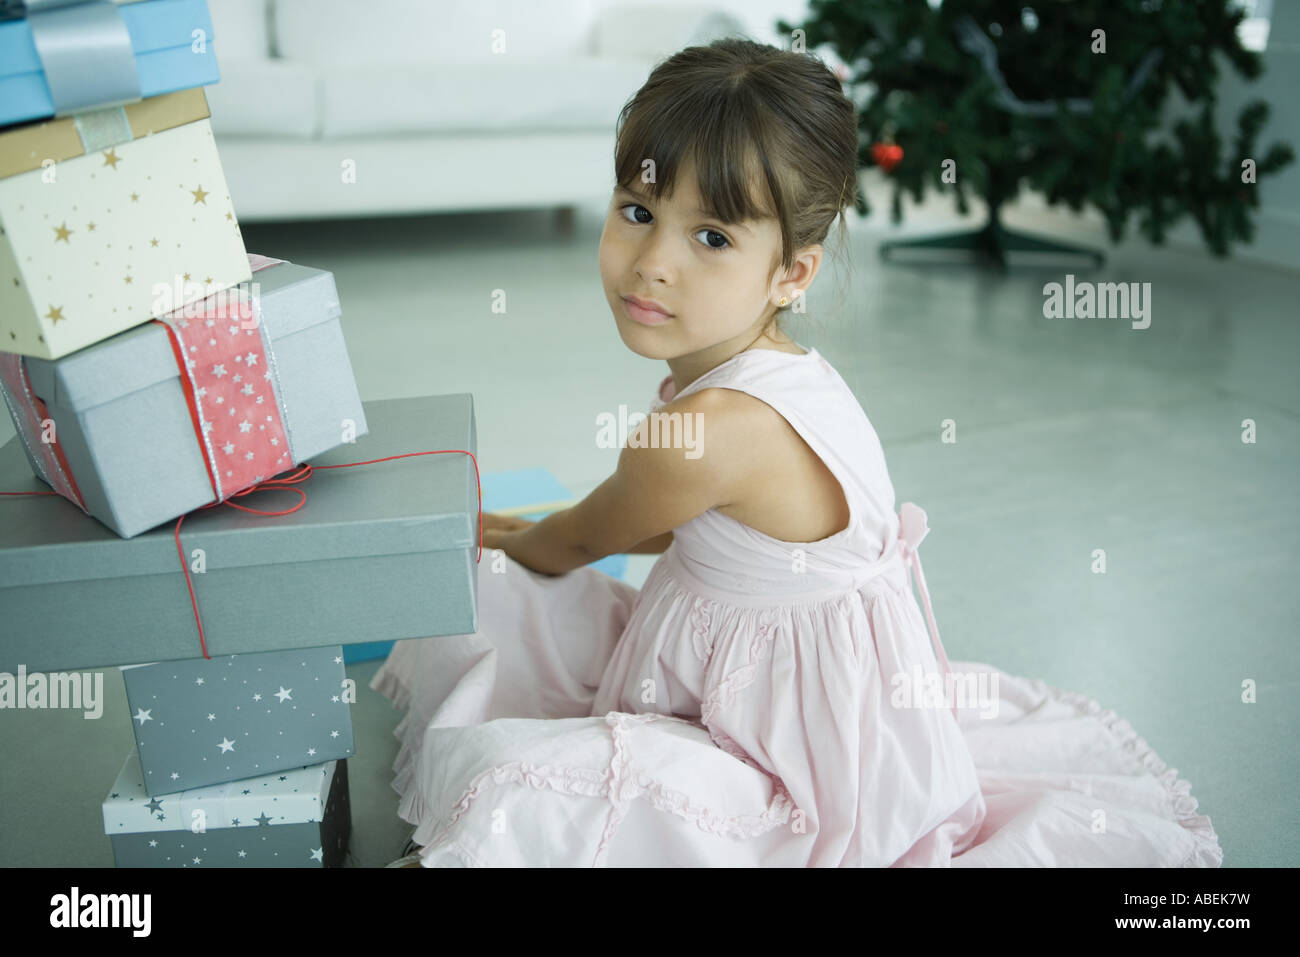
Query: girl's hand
(497, 529)
(505, 523)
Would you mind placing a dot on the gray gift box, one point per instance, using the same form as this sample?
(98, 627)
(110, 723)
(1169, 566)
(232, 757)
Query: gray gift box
(124, 425)
(377, 552)
(207, 721)
(298, 818)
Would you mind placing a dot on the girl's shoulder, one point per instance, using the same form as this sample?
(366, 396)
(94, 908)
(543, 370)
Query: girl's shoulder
(779, 485)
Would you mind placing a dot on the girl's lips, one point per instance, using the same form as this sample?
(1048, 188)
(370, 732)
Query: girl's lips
(647, 317)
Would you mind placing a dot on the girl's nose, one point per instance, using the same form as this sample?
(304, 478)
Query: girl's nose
(654, 261)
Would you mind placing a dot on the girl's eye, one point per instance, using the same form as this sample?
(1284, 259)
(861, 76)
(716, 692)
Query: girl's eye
(706, 243)
(636, 206)
(719, 235)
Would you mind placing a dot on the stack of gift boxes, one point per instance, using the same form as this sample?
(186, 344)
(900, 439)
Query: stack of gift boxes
(154, 370)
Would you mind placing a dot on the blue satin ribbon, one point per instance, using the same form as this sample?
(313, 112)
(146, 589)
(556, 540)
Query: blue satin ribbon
(86, 54)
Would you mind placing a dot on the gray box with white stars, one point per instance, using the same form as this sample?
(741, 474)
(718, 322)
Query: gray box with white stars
(207, 721)
(300, 818)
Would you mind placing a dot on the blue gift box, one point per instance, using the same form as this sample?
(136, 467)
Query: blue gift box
(170, 49)
(299, 818)
(207, 721)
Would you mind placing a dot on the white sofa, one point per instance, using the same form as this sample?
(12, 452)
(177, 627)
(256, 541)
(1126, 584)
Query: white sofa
(334, 108)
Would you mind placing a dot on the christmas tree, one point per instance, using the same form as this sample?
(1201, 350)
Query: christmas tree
(1065, 97)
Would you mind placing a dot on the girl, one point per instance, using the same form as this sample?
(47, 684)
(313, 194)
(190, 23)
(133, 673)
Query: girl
(773, 696)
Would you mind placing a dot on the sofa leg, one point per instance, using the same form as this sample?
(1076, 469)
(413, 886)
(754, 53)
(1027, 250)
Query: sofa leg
(565, 217)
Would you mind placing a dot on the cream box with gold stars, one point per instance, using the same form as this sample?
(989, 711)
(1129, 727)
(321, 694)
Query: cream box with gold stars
(110, 218)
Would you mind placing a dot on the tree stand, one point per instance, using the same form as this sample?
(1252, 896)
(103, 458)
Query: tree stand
(991, 244)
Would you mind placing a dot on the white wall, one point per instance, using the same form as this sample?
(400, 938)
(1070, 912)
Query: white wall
(758, 16)
(1277, 221)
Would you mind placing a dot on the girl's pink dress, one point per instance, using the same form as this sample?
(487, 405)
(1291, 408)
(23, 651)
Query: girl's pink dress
(763, 703)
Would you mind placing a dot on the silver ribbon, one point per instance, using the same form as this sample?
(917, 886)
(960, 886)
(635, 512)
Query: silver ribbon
(85, 51)
(100, 129)
(277, 389)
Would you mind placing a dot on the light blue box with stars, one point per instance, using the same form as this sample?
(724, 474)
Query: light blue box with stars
(202, 721)
(299, 818)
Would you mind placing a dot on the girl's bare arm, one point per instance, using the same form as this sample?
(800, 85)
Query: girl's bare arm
(653, 546)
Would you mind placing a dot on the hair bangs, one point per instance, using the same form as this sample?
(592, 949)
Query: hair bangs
(714, 130)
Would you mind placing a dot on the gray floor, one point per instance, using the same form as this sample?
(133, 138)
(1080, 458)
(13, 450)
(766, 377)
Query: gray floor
(1071, 436)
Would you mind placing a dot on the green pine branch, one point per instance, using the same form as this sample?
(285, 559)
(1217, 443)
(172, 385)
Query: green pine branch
(936, 98)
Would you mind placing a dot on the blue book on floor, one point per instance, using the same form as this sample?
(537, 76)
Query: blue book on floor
(506, 490)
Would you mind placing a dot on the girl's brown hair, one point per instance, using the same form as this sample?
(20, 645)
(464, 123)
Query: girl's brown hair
(771, 134)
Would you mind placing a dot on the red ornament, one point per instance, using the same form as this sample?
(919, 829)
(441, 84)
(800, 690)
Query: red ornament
(887, 155)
